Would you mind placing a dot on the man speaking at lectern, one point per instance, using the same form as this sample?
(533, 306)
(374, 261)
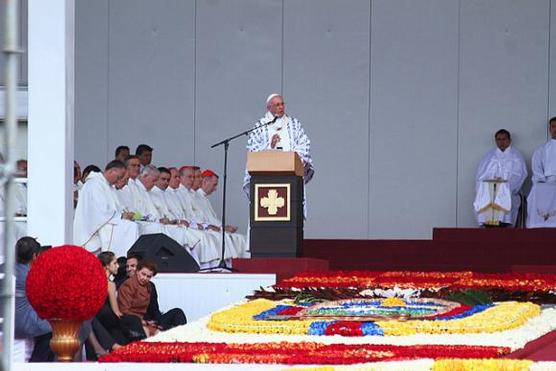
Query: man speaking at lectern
(284, 133)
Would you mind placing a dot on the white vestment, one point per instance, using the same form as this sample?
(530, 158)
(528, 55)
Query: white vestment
(503, 202)
(541, 202)
(192, 204)
(175, 205)
(20, 190)
(236, 243)
(293, 138)
(97, 224)
(152, 205)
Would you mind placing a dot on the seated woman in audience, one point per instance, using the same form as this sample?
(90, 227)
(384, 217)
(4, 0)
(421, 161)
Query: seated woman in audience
(107, 321)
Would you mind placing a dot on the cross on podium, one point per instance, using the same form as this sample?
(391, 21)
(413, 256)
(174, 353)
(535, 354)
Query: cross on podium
(272, 202)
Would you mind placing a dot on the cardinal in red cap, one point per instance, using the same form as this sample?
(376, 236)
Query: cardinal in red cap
(208, 173)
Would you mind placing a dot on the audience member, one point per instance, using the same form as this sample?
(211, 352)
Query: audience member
(106, 324)
(28, 325)
(138, 269)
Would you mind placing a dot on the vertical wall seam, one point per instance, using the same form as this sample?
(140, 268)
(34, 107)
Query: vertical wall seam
(369, 125)
(282, 48)
(458, 112)
(107, 118)
(548, 114)
(195, 82)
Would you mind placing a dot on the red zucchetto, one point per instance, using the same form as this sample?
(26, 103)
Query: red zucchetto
(208, 173)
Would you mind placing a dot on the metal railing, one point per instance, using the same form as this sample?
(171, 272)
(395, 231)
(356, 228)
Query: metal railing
(11, 57)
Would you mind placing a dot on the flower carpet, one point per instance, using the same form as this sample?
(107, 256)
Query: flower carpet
(370, 320)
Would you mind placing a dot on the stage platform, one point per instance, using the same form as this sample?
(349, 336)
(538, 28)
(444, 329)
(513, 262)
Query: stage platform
(200, 294)
(282, 267)
(450, 249)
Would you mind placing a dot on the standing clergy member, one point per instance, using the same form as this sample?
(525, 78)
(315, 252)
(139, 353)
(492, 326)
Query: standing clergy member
(99, 224)
(500, 176)
(285, 133)
(541, 202)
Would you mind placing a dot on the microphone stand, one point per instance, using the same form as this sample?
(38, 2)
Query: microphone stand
(226, 143)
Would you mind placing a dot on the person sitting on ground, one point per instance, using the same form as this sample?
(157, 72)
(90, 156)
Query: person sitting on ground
(36, 332)
(137, 270)
(134, 297)
(107, 321)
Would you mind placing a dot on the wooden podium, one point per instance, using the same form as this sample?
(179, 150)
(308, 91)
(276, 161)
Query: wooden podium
(276, 209)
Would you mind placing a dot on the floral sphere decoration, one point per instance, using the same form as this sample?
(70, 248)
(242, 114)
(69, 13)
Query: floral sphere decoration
(68, 283)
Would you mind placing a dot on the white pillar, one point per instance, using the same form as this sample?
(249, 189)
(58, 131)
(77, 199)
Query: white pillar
(51, 115)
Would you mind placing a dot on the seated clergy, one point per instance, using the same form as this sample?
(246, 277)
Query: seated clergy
(145, 154)
(157, 222)
(206, 250)
(208, 186)
(191, 202)
(122, 153)
(99, 224)
(541, 202)
(499, 178)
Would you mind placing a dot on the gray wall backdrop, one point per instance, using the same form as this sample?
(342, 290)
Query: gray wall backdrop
(400, 98)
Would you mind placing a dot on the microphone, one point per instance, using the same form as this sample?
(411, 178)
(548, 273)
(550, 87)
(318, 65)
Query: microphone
(272, 121)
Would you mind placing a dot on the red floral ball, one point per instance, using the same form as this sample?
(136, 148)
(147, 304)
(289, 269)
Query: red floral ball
(67, 282)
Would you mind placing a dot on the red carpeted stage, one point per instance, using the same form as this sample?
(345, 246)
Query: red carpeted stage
(450, 249)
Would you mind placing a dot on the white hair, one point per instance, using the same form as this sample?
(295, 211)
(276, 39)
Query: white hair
(148, 170)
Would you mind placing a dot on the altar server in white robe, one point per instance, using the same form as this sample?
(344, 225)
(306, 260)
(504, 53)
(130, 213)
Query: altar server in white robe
(99, 224)
(208, 186)
(284, 133)
(541, 202)
(504, 168)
